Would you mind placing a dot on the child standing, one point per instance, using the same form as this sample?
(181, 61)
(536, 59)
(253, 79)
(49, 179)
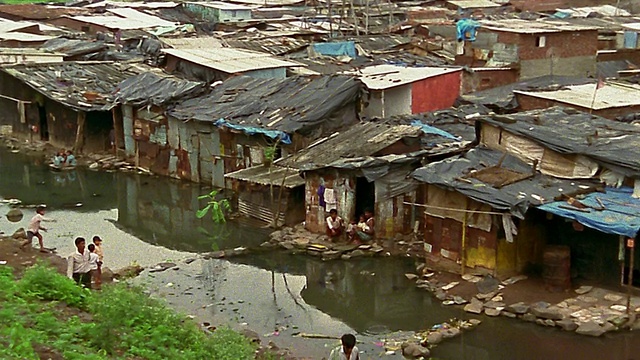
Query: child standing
(35, 226)
(94, 265)
(97, 241)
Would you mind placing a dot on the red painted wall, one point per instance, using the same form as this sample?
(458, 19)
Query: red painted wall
(435, 93)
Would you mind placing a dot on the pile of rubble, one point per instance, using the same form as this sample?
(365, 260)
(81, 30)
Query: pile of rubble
(113, 163)
(592, 312)
(297, 240)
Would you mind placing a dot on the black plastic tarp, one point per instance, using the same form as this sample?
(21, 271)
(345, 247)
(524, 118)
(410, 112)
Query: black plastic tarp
(152, 89)
(514, 198)
(612, 144)
(293, 104)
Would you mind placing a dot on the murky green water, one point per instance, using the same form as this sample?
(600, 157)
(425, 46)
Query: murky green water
(149, 220)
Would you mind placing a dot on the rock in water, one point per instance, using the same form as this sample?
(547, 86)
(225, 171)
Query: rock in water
(14, 215)
(128, 272)
(487, 284)
(590, 328)
(19, 234)
(414, 351)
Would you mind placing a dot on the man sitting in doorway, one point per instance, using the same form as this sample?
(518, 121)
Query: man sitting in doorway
(334, 224)
(367, 233)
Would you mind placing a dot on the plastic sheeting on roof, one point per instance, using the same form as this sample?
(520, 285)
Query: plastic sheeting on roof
(252, 130)
(342, 48)
(514, 198)
(150, 88)
(294, 104)
(466, 29)
(612, 144)
(428, 129)
(621, 215)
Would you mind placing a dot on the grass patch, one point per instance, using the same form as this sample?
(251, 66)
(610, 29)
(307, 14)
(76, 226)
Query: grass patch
(46, 313)
(19, 2)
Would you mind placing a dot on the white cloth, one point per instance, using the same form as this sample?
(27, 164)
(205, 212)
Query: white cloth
(338, 354)
(510, 228)
(78, 263)
(34, 224)
(334, 224)
(93, 261)
(330, 199)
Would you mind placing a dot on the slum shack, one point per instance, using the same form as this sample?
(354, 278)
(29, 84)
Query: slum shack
(144, 127)
(68, 104)
(475, 207)
(266, 190)
(368, 167)
(400, 90)
(568, 144)
(247, 122)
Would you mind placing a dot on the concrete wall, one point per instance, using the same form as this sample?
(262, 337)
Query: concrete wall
(478, 80)
(389, 102)
(214, 15)
(581, 66)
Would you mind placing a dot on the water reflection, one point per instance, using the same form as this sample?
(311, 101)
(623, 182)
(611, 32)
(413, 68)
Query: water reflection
(369, 295)
(157, 210)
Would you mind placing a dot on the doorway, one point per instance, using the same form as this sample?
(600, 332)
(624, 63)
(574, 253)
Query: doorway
(43, 126)
(365, 195)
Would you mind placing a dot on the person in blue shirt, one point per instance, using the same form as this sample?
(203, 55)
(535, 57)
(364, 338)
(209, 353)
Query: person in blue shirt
(71, 160)
(58, 159)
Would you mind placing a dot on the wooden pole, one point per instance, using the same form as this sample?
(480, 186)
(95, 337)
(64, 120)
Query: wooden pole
(463, 255)
(593, 99)
(79, 143)
(630, 277)
(117, 127)
(621, 251)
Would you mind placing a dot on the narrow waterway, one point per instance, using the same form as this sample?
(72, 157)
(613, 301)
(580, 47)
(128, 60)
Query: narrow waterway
(147, 220)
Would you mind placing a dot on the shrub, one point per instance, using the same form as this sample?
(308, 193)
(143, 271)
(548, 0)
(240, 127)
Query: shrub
(44, 283)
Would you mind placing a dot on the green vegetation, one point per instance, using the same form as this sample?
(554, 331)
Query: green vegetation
(18, 2)
(45, 313)
(217, 207)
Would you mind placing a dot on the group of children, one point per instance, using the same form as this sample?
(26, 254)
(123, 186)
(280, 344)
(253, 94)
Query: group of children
(84, 266)
(357, 231)
(64, 158)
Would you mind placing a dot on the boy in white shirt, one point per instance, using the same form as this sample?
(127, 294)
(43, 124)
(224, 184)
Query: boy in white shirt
(35, 227)
(94, 265)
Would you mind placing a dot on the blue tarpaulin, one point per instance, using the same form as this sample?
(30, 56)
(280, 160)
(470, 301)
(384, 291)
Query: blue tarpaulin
(630, 39)
(466, 29)
(336, 48)
(621, 214)
(428, 129)
(251, 130)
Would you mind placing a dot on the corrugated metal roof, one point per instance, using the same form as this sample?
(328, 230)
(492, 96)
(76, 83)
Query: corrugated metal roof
(134, 5)
(605, 10)
(280, 45)
(262, 175)
(533, 26)
(68, 82)
(125, 19)
(40, 12)
(221, 5)
(268, 3)
(230, 60)
(359, 142)
(379, 77)
(612, 95)
(24, 37)
(470, 4)
(8, 25)
(200, 42)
